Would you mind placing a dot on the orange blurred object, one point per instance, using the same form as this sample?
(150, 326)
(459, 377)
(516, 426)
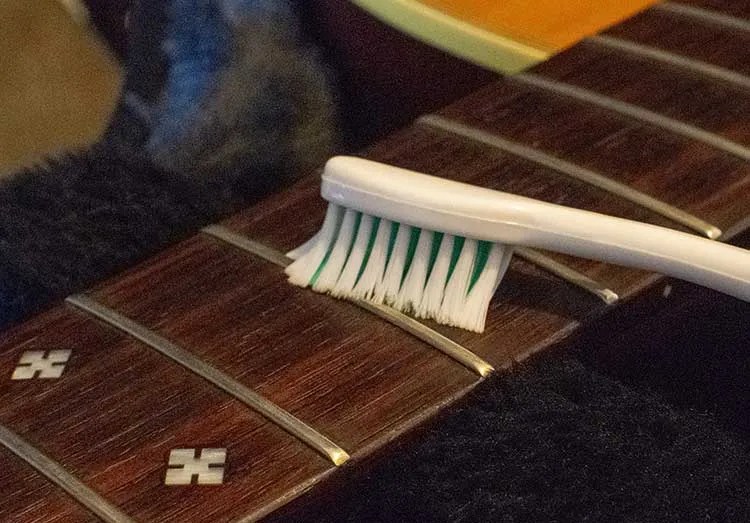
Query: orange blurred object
(547, 24)
(502, 35)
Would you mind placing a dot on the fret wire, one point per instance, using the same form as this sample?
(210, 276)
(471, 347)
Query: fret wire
(705, 15)
(712, 71)
(62, 478)
(568, 274)
(397, 318)
(430, 336)
(252, 399)
(633, 111)
(246, 244)
(574, 171)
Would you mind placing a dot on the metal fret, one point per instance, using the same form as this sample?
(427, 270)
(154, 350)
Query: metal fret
(633, 111)
(574, 171)
(705, 15)
(271, 411)
(404, 322)
(246, 244)
(652, 53)
(568, 274)
(62, 478)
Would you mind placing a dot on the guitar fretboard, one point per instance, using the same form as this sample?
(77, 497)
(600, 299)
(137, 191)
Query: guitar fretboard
(200, 386)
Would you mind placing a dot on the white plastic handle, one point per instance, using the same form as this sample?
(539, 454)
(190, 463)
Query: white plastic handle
(443, 205)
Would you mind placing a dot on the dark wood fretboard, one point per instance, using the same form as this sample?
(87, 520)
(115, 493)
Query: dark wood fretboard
(207, 347)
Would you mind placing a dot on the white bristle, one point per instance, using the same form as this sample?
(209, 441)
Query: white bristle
(338, 254)
(301, 272)
(458, 285)
(303, 249)
(387, 289)
(375, 268)
(474, 310)
(348, 259)
(353, 266)
(410, 294)
(432, 297)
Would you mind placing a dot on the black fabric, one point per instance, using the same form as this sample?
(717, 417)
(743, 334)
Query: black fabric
(554, 441)
(80, 218)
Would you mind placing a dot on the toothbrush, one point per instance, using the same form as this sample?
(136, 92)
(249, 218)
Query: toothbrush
(438, 248)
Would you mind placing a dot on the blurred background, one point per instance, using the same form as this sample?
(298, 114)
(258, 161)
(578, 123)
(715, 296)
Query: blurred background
(58, 80)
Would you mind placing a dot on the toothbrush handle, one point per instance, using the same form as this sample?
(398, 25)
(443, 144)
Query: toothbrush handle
(475, 212)
(634, 244)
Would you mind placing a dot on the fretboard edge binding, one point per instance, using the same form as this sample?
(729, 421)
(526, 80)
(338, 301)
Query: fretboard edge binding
(667, 57)
(275, 414)
(417, 329)
(57, 474)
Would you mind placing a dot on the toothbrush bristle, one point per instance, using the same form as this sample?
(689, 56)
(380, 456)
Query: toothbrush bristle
(375, 259)
(330, 270)
(429, 274)
(386, 290)
(315, 251)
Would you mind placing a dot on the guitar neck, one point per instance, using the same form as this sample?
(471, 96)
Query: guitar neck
(200, 386)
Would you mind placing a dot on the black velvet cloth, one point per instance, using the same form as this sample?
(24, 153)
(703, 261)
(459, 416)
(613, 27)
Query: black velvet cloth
(79, 218)
(656, 431)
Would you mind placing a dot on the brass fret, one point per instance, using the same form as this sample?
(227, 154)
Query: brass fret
(410, 325)
(574, 171)
(252, 399)
(666, 57)
(633, 111)
(62, 478)
(705, 15)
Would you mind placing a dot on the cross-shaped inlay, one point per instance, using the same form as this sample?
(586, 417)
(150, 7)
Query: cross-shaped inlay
(41, 364)
(207, 469)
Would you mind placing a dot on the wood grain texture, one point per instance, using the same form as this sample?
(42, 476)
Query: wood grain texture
(705, 103)
(352, 377)
(29, 496)
(688, 37)
(689, 175)
(120, 408)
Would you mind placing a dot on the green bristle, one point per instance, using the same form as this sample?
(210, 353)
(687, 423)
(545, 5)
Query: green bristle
(458, 245)
(315, 276)
(391, 242)
(368, 251)
(437, 240)
(357, 222)
(483, 254)
(322, 265)
(413, 240)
